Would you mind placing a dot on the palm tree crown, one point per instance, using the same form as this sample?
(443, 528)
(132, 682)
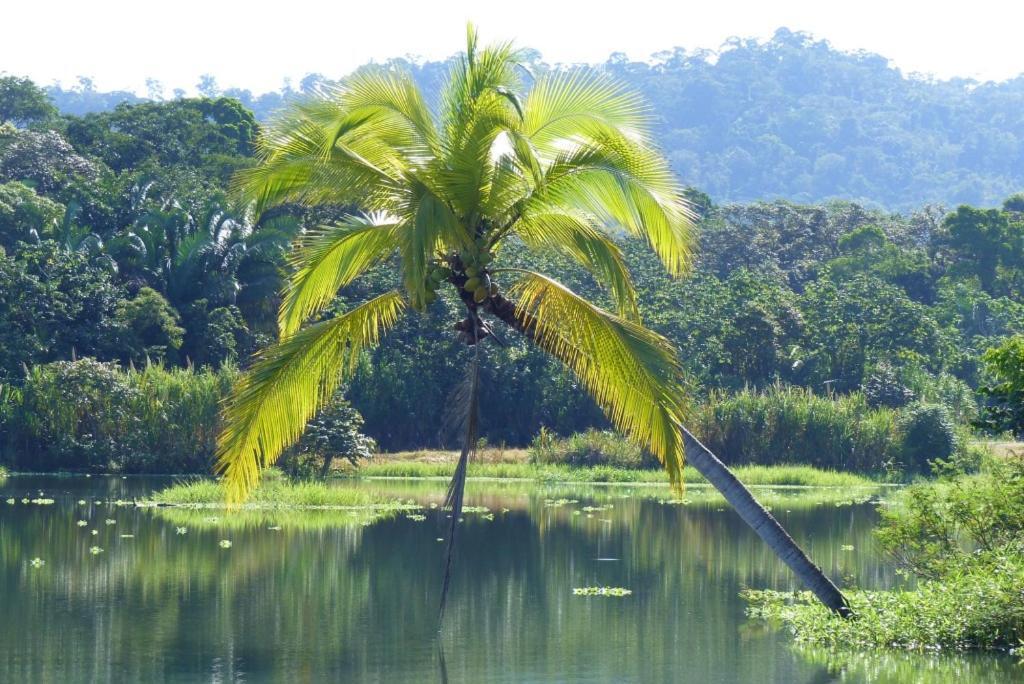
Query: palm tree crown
(555, 165)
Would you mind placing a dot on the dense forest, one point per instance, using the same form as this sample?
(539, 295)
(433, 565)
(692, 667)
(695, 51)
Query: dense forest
(788, 118)
(120, 241)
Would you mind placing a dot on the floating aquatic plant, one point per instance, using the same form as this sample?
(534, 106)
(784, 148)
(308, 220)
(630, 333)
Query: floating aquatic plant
(109, 521)
(10, 501)
(417, 517)
(94, 532)
(42, 501)
(95, 550)
(37, 562)
(82, 523)
(601, 591)
(181, 530)
(274, 528)
(225, 543)
(81, 502)
(846, 547)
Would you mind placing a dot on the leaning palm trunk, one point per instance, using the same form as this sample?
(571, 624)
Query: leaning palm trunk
(764, 524)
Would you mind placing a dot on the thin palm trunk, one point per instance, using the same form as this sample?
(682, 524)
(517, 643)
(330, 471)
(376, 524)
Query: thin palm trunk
(468, 401)
(764, 524)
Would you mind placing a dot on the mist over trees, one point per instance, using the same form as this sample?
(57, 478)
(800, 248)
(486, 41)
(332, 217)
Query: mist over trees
(789, 118)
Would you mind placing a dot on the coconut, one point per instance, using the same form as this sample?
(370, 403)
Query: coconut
(471, 284)
(480, 294)
(472, 271)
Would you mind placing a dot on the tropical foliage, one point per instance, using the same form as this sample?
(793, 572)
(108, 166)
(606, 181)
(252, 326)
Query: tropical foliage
(548, 167)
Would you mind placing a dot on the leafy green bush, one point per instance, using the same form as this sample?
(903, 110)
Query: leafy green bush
(927, 434)
(794, 425)
(88, 415)
(588, 449)
(333, 432)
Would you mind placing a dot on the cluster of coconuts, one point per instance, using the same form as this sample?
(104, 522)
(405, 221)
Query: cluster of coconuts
(474, 264)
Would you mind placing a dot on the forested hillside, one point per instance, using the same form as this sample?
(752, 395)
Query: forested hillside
(120, 240)
(789, 118)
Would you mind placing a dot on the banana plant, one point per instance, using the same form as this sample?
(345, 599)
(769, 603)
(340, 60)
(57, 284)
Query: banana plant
(555, 163)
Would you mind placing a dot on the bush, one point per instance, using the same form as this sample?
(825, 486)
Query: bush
(334, 432)
(927, 434)
(590, 448)
(794, 425)
(87, 415)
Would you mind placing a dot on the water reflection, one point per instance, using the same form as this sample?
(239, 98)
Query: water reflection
(329, 598)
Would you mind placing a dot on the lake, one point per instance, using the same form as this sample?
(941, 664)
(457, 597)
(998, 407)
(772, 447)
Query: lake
(94, 588)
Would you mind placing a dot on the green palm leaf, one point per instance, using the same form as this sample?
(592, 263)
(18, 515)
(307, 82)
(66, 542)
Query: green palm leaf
(631, 372)
(288, 384)
(326, 260)
(576, 238)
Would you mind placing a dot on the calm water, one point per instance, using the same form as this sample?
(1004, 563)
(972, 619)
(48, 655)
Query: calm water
(324, 599)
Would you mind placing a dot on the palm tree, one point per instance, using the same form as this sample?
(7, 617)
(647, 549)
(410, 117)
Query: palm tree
(552, 167)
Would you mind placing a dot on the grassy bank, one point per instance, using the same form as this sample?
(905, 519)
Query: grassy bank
(442, 464)
(274, 492)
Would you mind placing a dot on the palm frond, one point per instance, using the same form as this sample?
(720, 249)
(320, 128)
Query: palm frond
(622, 182)
(288, 384)
(631, 372)
(576, 238)
(328, 259)
(568, 105)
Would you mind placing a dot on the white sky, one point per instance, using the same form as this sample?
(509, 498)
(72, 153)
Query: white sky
(256, 44)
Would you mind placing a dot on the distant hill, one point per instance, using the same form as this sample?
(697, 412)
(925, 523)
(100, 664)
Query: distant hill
(791, 117)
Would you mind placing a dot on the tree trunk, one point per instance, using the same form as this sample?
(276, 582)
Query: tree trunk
(734, 491)
(764, 524)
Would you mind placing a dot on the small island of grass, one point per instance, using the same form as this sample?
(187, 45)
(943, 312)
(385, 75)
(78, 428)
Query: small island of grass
(275, 492)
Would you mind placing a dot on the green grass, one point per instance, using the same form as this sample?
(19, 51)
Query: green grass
(274, 492)
(3, 472)
(779, 475)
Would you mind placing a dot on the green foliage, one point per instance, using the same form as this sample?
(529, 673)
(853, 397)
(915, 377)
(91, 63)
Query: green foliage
(964, 537)
(793, 425)
(54, 304)
(588, 449)
(934, 529)
(149, 327)
(1004, 391)
(24, 215)
(90, 415)
(212, 135)
(334, 432)
(23, 103)
(927, 433)
(978, 609)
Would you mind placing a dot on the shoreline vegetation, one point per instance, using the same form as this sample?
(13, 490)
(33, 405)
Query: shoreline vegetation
(962, 540)
(513, 465)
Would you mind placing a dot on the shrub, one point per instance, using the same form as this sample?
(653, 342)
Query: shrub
(87, 415)
(884, 387)
(333, 432)
(793, 425)
(590, 448)
(927, 434)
